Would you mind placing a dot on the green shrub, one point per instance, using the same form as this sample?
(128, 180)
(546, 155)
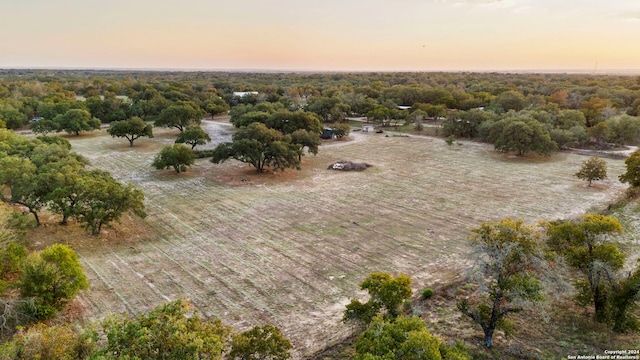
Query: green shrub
(19, 223)
(456, 351)
(49, 279)
(450, 140)
(171, 331)
(341, 130)
(42, 341)
(203, 154)
(11, 256)
(427, 293)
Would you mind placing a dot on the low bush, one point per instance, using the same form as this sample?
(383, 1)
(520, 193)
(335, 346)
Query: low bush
(427, 293)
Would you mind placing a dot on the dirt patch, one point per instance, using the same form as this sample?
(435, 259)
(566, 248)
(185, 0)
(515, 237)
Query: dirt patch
(235, 173)
(128, 231)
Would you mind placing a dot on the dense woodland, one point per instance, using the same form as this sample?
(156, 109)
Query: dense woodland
(553, 110)
(282, 115)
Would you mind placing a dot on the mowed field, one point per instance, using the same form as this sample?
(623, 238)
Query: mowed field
(291, 248)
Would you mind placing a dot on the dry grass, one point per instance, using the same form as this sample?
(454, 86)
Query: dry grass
(563, 329)
(550, 332)
(567, 330)
(291, 248)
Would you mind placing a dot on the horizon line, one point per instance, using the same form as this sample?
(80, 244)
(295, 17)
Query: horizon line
(585, 71)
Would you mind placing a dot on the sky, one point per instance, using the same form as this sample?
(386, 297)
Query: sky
(322, 35)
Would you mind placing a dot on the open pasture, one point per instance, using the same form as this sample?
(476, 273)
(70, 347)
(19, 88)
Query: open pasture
(291, 248)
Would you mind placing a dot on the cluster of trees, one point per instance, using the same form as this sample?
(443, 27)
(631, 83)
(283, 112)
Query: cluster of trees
(270, 136)
(45, 98)
(177, 156)
(170, 331)
(516, 260)
(542, 130)
(517, 267)
(73, 121)
(44, 173)
(36, 286)
(518, 113)
(389, 334)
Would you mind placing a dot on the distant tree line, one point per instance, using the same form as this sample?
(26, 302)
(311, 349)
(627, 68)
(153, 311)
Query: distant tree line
(518, 113)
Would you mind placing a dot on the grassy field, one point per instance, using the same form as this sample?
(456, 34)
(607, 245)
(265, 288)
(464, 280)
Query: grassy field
(291, 248)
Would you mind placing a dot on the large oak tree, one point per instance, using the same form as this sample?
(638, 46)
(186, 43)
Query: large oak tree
(102, 200)
(521, 134)
(509, 260)
(193, 135)
(176, 156)
(260, 146)
(131, 129)
(76, 120)
(180, 115)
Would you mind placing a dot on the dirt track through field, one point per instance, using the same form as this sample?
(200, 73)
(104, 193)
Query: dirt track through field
(291, 249)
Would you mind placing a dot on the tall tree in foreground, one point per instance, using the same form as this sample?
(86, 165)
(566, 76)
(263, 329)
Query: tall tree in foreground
(50, 279)
(260, 343)
(593, 169)
(403, 338)
(584, 244)
(386, 293)
(34, 169)
(172, 331)
(510, 256)
(131, 129)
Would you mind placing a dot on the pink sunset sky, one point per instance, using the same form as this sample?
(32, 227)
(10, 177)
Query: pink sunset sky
(338, 35)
